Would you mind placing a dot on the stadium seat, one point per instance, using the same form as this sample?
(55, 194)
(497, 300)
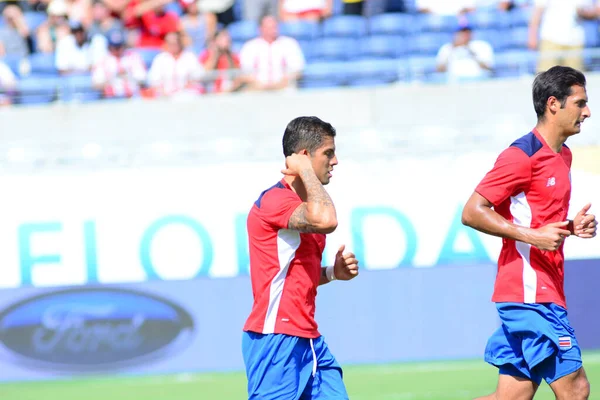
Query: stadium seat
(175, 7)
(301, 30)
(591, 33)
(372, 72)
(42, 64)
(324, 74)
(428, 43)
(515, 63)
(520, 16)
(334, 49)
(391, 24)
(489, 19)
(242, 31)
(384, 46)
(78, 88)
(34, 19)
(13, 62)
(436, 23)
(591, 59)
(420, 68)
(499, 40)
(198, 36)
(517, 38)
(345, 26)
(147, 54)
(307, 48)
(37, 90)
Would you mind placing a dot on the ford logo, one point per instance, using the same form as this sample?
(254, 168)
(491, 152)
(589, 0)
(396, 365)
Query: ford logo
(93, 328)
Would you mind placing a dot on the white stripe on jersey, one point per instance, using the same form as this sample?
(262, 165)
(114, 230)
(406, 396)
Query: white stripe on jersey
(521, 212)
(287, 243)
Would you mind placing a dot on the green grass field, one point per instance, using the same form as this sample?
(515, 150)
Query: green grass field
(410, 381)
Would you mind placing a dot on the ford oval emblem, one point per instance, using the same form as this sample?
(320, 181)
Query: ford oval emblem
(82, 329)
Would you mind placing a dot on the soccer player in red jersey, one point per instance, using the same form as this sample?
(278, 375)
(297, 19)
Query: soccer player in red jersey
(285, 356)
(524, 200)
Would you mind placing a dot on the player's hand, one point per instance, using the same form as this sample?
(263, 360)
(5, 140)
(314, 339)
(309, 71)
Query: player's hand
(345, 266)
(584, 224)
(551, 236)
(296, 163)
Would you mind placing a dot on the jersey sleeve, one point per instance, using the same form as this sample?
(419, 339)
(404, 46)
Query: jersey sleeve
(277, 206)
(510, 175)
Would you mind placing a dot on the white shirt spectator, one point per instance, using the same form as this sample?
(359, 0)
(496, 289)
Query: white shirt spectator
(8, 82)
(462, 60)
(445, 7)
(171, 74)
(71, 57)
(120, 77)
(270, 62)
(560, 24)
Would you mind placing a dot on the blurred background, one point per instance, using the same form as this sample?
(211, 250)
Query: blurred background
(136, 135)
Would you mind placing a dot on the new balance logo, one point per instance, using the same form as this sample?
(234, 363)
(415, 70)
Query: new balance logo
(551, 182)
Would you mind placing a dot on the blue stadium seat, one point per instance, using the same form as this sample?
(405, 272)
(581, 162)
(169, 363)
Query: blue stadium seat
(392, 24)
(372, 72)
(198, 35)
(489, 19)
(300, 30)
(520, 16)
(436, 23)
(499, 40)
(147, 54)
(517, 38)
(591, 33)
(515, 63)
(345, 26)
(34, 19)
(324, 74)
(334, 49)
(174, 6)
(429, 43)
(422, 68)
(78, 88)
(33, 90)
(384, 46)
(43, 64)
(242, 31)
(13, 62)
(591, 59)
(307, 48)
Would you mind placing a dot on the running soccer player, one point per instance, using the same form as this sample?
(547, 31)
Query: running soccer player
(285, 356)
(524, 199)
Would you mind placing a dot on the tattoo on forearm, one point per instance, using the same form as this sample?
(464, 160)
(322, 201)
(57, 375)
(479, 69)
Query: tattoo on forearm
(317, 195)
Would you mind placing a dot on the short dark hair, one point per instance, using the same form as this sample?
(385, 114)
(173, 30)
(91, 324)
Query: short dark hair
(557, 82)
(305, 133)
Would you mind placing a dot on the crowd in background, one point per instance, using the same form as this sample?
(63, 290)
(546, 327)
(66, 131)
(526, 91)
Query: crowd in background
(155, 48)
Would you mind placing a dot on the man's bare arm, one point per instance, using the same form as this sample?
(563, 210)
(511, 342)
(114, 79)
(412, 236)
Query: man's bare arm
(317, 214)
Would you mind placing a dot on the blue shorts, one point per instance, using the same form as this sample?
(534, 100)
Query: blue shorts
(534, 342)
(286, 367)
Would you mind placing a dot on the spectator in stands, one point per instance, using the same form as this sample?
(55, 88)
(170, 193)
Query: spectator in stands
(121, 73)
(556, 25)
(102, 20)
(15, 38)
(272, 61)
(152, 21)
(465, 59)
(254, 10)
(8, 83)
(445, 7)
(354, 7)
(200, 26)
(219, 57)
(306, 10)
(78, 53)
(54, 28)
(80, 11)
(175, 70)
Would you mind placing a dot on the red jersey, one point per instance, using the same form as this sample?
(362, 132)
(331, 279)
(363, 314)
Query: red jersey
(285, 267)
(530, 185)
(222, 82)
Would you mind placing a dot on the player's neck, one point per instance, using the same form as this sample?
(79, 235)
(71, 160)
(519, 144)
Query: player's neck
(297, 186)
(552, 135)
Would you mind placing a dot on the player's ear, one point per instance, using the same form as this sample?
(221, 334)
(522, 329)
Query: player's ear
(303, 152)
(553, 104)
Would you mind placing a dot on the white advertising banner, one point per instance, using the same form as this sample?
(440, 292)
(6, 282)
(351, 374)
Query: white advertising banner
(135, 225)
